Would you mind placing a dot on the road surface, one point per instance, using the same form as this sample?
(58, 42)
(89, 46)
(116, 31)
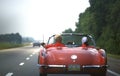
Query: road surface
(23, 62)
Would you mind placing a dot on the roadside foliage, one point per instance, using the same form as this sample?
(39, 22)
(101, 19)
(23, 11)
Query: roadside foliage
(102, 20)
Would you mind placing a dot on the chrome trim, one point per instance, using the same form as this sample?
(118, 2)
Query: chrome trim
(74, 57)
(94, 66)
(52, 66)
(89, 66)
(63, 66)
(38, 65)
(57, 66)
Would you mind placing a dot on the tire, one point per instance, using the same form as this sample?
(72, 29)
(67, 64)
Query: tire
(101, 74)
(43, 74)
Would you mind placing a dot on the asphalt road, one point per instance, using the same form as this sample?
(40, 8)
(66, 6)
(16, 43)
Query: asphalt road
(23, 62)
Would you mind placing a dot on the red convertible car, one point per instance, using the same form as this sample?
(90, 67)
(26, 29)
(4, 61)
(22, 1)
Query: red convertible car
(72, 58)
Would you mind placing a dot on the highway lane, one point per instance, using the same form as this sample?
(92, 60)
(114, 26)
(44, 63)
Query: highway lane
(19, 61)
(23, 62)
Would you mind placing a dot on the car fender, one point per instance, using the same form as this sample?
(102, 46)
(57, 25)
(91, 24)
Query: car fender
(103, 54)
(41, 57)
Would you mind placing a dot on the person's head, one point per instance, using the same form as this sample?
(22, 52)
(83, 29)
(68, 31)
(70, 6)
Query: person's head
(85, 40)
(58, 38)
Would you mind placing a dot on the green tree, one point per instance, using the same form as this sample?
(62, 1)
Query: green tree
(102, 19)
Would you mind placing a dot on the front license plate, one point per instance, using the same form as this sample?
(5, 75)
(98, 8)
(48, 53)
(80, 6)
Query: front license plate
(73, 67)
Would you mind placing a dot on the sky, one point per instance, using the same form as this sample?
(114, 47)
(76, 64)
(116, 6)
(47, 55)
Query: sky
(38, 18)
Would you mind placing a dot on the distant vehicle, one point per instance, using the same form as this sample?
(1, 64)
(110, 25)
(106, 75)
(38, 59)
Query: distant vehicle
(36, 43)
(73, 58)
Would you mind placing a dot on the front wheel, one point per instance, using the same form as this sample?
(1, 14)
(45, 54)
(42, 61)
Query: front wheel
(43, 74)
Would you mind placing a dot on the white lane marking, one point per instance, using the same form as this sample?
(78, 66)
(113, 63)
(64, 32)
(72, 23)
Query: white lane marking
(21, 64)
(31, 55)
(114, 73)
(9, 74)
(27, 58)
(37, 51)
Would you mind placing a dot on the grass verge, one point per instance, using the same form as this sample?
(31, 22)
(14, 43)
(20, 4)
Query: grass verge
(114, 56)
(9, 45)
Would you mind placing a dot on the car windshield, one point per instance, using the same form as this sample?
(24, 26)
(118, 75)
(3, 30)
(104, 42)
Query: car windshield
(73, 40)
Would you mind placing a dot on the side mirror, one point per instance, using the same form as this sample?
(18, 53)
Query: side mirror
(43, 44)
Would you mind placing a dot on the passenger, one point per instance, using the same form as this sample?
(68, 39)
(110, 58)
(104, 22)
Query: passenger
(85, 42)
(58, 42)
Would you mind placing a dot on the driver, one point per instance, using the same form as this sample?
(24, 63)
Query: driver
(58, 42)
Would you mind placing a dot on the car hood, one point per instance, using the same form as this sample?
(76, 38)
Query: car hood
(77, 55)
